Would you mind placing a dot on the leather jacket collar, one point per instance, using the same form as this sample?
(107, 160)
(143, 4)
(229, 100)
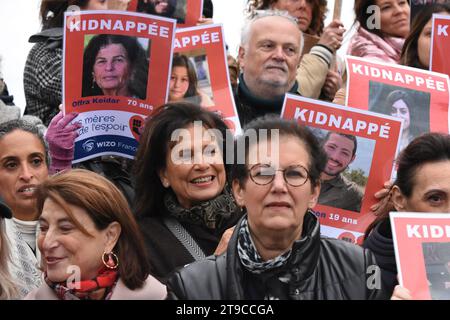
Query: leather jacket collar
(301, 264)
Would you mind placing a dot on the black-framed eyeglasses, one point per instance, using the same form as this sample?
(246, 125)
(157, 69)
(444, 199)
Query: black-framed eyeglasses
(263, 174)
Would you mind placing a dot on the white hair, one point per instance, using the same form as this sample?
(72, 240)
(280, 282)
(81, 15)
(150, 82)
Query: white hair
(259, 14)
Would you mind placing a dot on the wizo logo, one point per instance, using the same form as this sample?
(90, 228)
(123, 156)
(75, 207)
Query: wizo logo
(89, 145)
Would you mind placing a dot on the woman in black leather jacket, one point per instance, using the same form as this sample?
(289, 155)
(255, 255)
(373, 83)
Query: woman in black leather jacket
(276, 251)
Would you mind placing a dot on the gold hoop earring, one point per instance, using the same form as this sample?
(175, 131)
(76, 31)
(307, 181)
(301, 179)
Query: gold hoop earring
(110, 260)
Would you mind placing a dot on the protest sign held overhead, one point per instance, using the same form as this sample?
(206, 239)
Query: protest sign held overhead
(116, 73)
(440, 44)
(422, 253)
(186, 12)
(200, 72)
(361, 147)
(419, 97)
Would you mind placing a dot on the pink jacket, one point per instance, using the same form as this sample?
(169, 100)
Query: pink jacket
(368, 45)
(152, 290)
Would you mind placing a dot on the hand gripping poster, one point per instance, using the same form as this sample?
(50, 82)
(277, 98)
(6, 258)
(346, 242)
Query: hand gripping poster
(440, 44)
(116, 73)
(185, 12)
(419, 97)
(422, 253)
(200, 72)
(361, 147)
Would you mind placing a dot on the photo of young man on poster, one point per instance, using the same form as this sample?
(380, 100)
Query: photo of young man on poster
(115, 65)
(190, 80)
(410, 105)
(337, 190)
(437, 264)
(175, 9)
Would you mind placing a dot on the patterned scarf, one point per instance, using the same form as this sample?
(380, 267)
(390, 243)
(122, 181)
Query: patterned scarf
(99, 288)
(211, 213)
(250, 257)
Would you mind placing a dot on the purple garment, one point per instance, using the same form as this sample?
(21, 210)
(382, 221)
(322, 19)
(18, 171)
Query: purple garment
(61, 135)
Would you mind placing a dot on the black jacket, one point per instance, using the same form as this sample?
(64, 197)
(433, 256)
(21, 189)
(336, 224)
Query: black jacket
(319, 269)
(166, 253)
(381, 244)
(250, 107)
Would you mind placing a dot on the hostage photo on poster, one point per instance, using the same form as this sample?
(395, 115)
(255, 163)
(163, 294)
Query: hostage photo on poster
(412, 106)
(361, 147)
(116, 73)
(115, 65)
(418, 97)
(200, 72)
(185, 12)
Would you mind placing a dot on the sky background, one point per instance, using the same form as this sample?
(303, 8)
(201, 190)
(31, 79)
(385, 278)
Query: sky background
(19, 19)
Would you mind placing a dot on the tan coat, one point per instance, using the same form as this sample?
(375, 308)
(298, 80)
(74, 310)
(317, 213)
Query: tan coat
(311, 76)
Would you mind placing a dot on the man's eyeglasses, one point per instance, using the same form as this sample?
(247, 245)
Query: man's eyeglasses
(263, 174)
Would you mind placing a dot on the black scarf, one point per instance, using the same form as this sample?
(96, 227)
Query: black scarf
(249, 256)
(212, 213)
(262, 105)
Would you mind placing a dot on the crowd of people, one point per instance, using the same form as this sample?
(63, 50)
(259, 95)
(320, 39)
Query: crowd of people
(180, 221)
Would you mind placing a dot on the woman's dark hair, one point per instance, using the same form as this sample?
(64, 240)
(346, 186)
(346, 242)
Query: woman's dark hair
(155, 144)
(263, 127)
(23, 125)
(104, 204)
(397, 95)
(431, 147)
(137, 59)
(208, 9)
(318, 13)
(427, 148)
(410, 51)
(180, 60)
(52, 11)
(149, 7)
(363, 16)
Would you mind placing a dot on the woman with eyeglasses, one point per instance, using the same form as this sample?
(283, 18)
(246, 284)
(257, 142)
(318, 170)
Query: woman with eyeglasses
(276, 251)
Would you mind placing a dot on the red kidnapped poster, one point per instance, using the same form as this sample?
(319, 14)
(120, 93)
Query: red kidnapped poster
(419, 97)
(200, 72)
(440, 44)
(186, 12)
(361, 147)
(422, 253)
(116, 72)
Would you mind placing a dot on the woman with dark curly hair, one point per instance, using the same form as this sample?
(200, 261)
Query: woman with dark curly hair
(183, 201)
(310, 15)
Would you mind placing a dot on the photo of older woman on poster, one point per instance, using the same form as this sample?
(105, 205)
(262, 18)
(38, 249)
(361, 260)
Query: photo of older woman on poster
(410, 105)
(115, 65)
(175, 9)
